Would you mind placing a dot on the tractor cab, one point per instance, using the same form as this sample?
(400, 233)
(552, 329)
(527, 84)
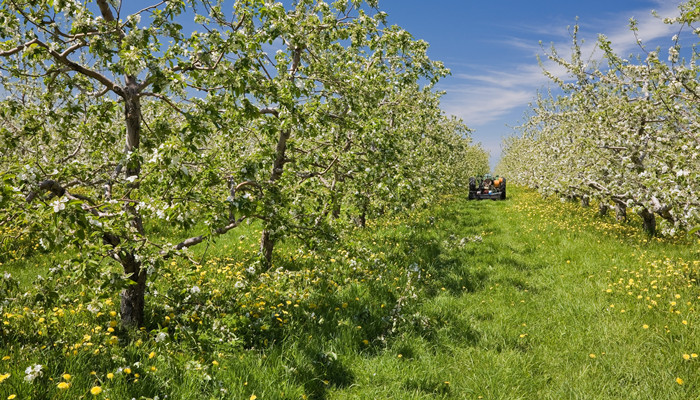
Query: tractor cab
(487, 187)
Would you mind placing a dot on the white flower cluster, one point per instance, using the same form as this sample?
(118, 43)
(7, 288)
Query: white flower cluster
(59, 204)
(32, 372)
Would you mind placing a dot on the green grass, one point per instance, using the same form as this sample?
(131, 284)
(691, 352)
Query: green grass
(528, 298)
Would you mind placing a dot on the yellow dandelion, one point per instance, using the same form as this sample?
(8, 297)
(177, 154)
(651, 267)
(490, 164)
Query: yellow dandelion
(63, 385)
(645, 326)
(591, 355)
(95, 390)
(679, 381)
(152, 354)
(110, 376)
(66, 377)
(4, 376)
(6, 358)
(12, 396)
(686, 356)
(253, 397)
(694, 355)
(127, 370)
(215, 363)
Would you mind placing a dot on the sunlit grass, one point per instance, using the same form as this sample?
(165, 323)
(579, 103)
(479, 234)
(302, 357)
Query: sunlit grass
(527, 298)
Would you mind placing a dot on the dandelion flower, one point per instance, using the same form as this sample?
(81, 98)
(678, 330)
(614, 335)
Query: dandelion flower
(645, 326)
(591, 355)
(152, 354)
(253, 397)
(12, 396)
(679, 381)
(66, 377)
(686, 356)
(110, 376)
(95, 390)
(63, 385)
(127, 370)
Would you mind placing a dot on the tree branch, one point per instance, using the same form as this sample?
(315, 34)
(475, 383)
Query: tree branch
(18, 48)
(166, 100)
(187, 243)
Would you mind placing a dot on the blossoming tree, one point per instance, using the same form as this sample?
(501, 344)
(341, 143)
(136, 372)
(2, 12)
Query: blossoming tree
(119, 121)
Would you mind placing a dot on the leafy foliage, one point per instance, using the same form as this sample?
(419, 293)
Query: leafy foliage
(204, 115)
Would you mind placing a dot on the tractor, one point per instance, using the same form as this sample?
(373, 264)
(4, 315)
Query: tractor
(487, 187)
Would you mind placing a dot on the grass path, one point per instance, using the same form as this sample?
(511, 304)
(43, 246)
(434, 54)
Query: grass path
(561, 307)
(527, 298)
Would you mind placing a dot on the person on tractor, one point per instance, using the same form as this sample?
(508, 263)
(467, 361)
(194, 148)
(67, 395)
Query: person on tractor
(487, 184)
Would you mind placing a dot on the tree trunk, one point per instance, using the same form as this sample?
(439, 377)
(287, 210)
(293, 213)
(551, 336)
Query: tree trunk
(361, 220)
(336, 208)
(585, 201)
(620, 211)
(603, 209)
(649, 221)
(267, 245)
(132, 111)
(267, 241)
(132, 298)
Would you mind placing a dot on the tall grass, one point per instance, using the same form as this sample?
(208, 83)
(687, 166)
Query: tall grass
(527, 298)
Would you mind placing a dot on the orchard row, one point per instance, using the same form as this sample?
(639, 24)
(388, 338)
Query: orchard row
(625, 133)
(196, 117)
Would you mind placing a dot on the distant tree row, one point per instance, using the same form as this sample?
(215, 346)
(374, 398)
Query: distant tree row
(202, 115)
(625, 133)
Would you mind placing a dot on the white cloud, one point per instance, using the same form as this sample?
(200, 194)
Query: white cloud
(478, 105)
(480, 95)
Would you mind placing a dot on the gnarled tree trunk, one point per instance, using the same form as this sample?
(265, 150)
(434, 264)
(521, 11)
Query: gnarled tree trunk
(649, 221)
(620, 211)
(132, 298)
(267, 241)
(585, 201)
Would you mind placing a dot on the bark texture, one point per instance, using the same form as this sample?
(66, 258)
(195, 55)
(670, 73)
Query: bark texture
(132, 298)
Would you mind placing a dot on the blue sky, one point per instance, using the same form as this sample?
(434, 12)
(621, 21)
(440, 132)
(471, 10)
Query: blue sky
(491, 48)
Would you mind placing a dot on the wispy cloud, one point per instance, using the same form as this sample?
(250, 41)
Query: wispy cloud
(479, 94)
(478, 105)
